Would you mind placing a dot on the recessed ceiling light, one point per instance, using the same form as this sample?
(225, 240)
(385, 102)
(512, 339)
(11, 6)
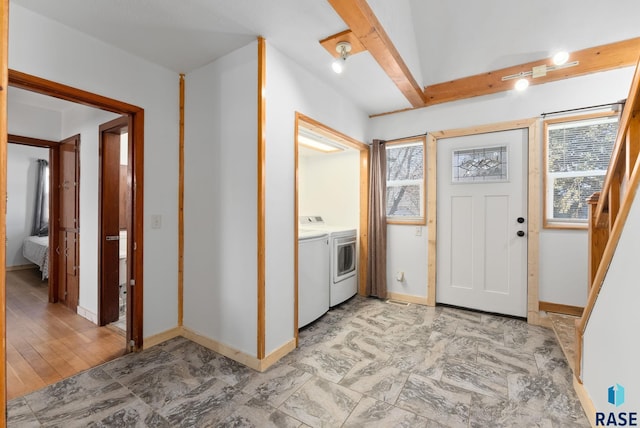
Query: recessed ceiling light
(561, 58)
(522, 84)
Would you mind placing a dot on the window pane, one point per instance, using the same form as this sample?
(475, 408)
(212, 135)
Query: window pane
(404, 201)
(581, 148)
(570, 195)
(405, 175)
(404, 162)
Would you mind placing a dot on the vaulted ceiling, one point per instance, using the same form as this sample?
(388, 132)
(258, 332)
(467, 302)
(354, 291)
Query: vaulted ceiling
(437, 41)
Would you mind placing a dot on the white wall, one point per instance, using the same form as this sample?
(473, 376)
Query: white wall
(611, 348)
(329, 185)
(45, 48)
(86, 121)
(220, 278)
(22, 174)
(407, 253)
(290, 88)
(34, 122)
(563, 262)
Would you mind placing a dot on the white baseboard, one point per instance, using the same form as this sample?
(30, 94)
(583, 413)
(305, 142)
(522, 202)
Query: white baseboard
(87, 314)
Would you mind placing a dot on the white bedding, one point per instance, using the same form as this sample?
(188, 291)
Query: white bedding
(36, 250)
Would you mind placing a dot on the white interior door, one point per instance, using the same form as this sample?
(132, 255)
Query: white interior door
(482, 224)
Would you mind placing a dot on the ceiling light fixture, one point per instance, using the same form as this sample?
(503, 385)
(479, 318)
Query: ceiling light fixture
(522, 84)
(343, 48)
(561, 58)
(540, 70)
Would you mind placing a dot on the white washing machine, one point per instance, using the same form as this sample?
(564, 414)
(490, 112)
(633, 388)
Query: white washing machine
(313, 275)
(343, 244)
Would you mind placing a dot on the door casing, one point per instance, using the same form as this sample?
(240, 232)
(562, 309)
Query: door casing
(136, 132)
(533, 201)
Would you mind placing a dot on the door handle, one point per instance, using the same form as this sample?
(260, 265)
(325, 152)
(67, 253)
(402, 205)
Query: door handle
(520, 220)
(520, 233)
(113, 237)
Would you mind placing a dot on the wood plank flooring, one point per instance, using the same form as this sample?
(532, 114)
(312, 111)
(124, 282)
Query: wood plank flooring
(48, 342)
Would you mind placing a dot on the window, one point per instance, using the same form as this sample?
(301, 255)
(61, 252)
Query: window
(405, 181)
(577, 154)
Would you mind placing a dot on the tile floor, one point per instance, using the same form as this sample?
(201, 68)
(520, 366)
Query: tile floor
(366, 363)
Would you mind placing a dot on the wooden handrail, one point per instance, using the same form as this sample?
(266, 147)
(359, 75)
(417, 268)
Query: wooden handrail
(613, 204)
(631, 106)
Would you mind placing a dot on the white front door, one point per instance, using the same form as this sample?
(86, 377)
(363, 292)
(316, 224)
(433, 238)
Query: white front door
(482, 224)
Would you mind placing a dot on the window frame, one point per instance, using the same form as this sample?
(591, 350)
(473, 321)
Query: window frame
(405, 220)
(547, 191)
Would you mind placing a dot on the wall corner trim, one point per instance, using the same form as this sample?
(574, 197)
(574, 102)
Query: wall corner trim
(585, 401)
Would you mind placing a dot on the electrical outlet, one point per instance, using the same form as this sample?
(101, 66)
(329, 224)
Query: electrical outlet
(156, 221)
(418, 230)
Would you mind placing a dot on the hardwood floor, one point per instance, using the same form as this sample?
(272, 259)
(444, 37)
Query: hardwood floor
(48, 342)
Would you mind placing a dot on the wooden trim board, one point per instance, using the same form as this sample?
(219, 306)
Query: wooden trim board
(533, 314)
(262, 137)
(559, 308)
(4, 77)
(359, 17)
(407, 298)
(585, 401)
(181, 84)
(156, 339)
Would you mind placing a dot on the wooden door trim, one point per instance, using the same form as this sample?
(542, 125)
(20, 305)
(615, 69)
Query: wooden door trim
(52, 147)
(4, 64)
(364, 202)
(112, 127)
(136, 131)
(533, 201)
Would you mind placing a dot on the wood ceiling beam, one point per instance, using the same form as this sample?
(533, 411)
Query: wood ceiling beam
(591, 60)
(365, 26)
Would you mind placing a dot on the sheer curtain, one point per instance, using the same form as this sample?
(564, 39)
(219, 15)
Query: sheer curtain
(41, 211)
(377, 264)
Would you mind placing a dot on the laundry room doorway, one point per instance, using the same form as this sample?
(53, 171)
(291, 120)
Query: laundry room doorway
(335, 169)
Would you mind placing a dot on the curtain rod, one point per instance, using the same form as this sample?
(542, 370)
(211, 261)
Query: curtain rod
(621, 102)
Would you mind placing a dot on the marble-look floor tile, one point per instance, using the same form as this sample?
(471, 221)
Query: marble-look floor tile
(379, 380)
(211, 402)
(476, 377)
(502, 413)
(461, 314)
(359, 345)
(129, 364)
(508, 359)
(331, 365)
(136, 414)
(161, 384)
(554, 365)
(542, 394)
(478, 332)
(276, 384)
(321, 404)
(534, 339)
(74, 403)
(371, 413)
(258, 414)
(19, 414)
(435, 400)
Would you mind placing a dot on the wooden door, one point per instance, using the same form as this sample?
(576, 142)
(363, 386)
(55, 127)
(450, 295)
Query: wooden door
(482, 206)
(110, 219)
(69, 223)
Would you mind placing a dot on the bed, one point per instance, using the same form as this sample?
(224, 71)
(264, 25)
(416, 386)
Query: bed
(36, 250)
